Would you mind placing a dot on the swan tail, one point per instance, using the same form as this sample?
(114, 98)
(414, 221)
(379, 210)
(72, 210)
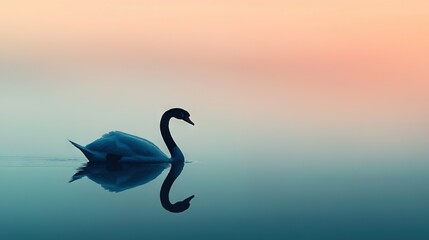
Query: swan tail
(88, 154)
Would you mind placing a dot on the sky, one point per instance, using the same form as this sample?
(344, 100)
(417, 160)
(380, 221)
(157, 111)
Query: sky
(298, 67)
(281, 35)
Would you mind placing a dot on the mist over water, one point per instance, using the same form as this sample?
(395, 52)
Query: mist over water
(262, 166)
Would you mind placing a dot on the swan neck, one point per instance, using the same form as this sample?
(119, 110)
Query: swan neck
(168, 139)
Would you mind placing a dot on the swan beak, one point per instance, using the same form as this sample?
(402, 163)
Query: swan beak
(188, 121)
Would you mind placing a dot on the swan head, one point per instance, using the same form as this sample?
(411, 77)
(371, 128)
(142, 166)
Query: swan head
(182, 205)
(181, 114)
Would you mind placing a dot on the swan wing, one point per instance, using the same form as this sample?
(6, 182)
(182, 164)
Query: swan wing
(127, 145)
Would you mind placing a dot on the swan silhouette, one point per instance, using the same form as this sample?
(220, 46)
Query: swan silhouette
(123, 147)
(121, 176)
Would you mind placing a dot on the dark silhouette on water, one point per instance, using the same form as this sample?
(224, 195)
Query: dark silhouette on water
(176, 169)
(118, 177)
(124, 147)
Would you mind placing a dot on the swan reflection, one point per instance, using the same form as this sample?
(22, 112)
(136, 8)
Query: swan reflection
(118, 177)
(176, 169)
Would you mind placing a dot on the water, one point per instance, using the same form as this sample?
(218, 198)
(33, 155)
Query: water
(260, 168)
(231, 201)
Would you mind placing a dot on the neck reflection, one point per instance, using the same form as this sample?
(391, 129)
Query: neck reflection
(175, 171)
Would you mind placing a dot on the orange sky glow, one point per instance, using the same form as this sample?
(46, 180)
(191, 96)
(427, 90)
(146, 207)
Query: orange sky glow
(342, 61)
(380, 48)
(273, 34)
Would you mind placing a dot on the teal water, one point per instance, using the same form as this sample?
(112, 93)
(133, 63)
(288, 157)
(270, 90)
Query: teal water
(260, 201)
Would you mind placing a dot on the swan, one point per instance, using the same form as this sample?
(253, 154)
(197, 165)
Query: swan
(124, 147)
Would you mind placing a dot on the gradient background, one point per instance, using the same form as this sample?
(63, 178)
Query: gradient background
(331, 94)
(309, 67)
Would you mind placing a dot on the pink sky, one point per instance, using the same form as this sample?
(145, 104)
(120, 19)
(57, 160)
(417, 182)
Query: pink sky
(309, 35)
(370, 51)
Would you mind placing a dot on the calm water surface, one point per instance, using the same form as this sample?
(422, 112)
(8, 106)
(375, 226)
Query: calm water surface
(232, 200)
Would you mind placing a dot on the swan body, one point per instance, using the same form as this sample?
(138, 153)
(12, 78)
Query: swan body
(131, 148)
(124, 147)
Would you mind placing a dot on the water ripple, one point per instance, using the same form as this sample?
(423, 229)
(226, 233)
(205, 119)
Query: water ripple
(38, 161)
